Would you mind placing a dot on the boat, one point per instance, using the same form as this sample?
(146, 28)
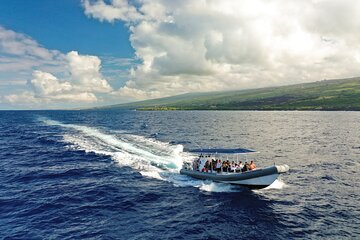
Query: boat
(257, 178)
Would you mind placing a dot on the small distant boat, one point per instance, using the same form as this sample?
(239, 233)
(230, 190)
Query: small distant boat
(254, 179)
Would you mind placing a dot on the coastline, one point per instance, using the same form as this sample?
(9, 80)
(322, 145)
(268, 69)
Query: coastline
(248, 109)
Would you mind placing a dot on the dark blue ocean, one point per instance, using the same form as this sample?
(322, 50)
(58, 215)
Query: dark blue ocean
(114, 175)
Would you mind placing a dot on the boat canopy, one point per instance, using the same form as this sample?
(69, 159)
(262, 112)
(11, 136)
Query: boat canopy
(222, 150)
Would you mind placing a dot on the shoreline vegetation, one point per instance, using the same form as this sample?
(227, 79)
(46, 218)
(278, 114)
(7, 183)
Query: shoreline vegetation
(325, 95)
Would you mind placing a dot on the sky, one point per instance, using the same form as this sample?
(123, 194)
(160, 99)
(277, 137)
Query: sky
(75, 54)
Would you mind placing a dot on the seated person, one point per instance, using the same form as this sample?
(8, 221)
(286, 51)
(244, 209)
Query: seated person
(241, 165)
(246, 167)
(232, 167)
(218, 166)
(206, 166)
(195, 165)
(224, 167)
(227, 166)
(213, 165)
(252, 165)
(237, 168)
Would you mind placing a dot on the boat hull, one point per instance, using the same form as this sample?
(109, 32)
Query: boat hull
(255, 179)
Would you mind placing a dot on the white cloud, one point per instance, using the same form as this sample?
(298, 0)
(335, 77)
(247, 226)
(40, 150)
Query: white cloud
(130, 91)
(30, 99)
(83, 97)
(188, 45)
(25, 97)
(20, 52)
(46, 84)
(19, 44)
(80, 82)
(85, 80)
(85, 72)
(119, 9)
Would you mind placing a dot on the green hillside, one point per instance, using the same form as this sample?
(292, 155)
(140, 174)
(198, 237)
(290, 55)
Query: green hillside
(341, 94)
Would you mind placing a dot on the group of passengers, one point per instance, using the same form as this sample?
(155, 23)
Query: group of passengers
(216, 165)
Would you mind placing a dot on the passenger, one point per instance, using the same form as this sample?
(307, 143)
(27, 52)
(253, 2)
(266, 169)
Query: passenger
(218, 166)
(201, 164)
(195, 166)
(252, 165)
(246, 167)
(237, 168)
(206, 166)
(224, 166)
(213, 164)
(241, 165)
(203, 169)
(233, 167)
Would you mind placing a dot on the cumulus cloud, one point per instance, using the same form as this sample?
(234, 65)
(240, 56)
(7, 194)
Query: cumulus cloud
(130, 91)
(48, 88)
(188, 45)
(81, 74)
(46, 84)
(84, 82)
(85, 72)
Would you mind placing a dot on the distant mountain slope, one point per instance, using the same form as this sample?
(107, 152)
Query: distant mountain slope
(340, 94)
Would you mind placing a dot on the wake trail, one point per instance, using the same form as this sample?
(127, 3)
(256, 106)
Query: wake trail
(152, 158)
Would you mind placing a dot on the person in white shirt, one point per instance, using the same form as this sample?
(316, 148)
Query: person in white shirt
(232, 167)
(241, 165)
(202, 164)
(218, 166)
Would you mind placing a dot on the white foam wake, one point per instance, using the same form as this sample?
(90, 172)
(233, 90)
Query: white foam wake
(277, 184)
(152, 158)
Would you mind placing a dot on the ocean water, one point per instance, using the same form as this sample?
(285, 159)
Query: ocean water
(115, 175)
